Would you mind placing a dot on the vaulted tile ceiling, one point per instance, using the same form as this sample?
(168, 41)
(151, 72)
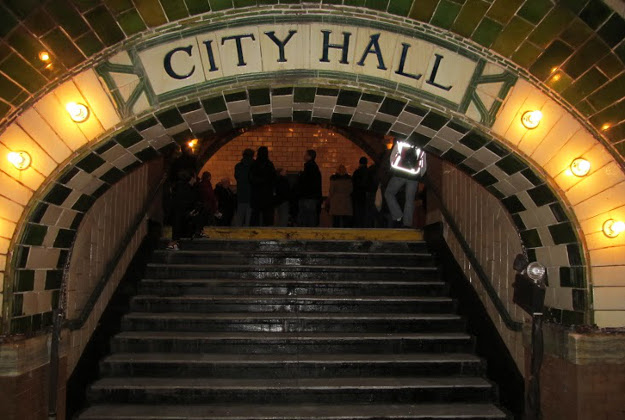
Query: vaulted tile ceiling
(576, 47)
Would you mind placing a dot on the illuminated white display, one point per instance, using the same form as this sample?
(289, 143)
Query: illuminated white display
(395, 163)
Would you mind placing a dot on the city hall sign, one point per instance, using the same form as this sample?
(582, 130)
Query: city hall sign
(178, 65)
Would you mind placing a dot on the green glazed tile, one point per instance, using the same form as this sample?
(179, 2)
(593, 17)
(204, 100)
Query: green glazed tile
(7, 21)
(563, 82)
(90, 163)
(512, 36)
(27, 45)
(104, 25)
(610, 65)
(572, 277)
(131, 22)
(341, 119)
(376, 4)
(585, 85)
(422, 10)
(611, 115)
(170, 118)
(67, 17)
(21, 325)
(217, 104)
(526, 55)
(34, 234)
(511, 164)
(503, 10)
(591, 52)
(348, 98)
(257, 97)
(400, 7)
(473, 140)
(535, 10)
(595, 13)
(18, 302)
(513, 204)
(608, 94)
(39, 22)
(64, 238)
(197, 7)
(21, 72)
(486, 32)
(391, 107)
(175, 9)
(302, 116)
(531, 238)
(579, 299)
(302, 95)
(53, 279)
(89, 44)
(25, 280)
(453, 156)
(586, 109)
(577, 33)
(613, 31)
(118, 6)
(554, 56)
(63, 48)
(485, 178)
(620, 51)
(245, 3)
(470, 16)
(445, 14)
(151, 12)
(574, 6)
(8, 89)
(332, 2)
(555, 22)
(217, 5)
(562, 233)
(542, 195)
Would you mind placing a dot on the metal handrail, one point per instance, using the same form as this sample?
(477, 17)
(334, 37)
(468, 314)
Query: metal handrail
(59, 321)
(510, 323)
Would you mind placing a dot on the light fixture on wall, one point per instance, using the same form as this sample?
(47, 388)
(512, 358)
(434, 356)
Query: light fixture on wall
(612, 228)
(77, 112)
(20, 159)
(606, 126)
(531, 119)
(44, 56)
(580, 167)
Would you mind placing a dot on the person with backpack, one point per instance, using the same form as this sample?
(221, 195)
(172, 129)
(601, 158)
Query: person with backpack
(309, 191)
(262, 182)
(408, 166)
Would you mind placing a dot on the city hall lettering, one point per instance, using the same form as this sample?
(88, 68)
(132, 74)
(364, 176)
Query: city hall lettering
(414, 62)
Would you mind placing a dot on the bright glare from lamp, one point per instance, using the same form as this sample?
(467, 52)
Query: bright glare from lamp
(21, 160)
(192, 143)
(536, 271)
(77, 112)
(44, 56)
(580, 167)
(612, 228)
(531, 119)
(605, 126)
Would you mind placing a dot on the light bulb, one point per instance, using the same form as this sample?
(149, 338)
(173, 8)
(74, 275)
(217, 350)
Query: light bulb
(580, 167)
(536, 271)
(44, 56)
(612, 228)
(531, 119)
(21, 160)
(77, 112)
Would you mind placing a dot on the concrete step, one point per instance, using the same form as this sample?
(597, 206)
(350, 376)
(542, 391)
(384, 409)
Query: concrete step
(244, 258)
(276, 366)
(302, 304)
(327, 272)
(271, 245)
(290, 343)
(295, 411)
(430, 389)
(291, 322)
(292, 287)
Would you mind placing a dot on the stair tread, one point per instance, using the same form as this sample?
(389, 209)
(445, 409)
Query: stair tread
(145, 383)
(298, 281)
(358, 316)
(281, 298)
(283, 253)
(300, 411)
(290, 336)
(238, 267)
(290, 358)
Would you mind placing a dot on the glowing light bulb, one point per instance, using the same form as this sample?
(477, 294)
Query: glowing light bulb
(44, 56)
(531, 119)
(21, 160)
(580, 167)
(556, 77)
(77, 112)
(612, 228)
(192, 143)
(605, 127)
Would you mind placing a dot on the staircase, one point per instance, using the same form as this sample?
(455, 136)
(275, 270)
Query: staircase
(316, 329)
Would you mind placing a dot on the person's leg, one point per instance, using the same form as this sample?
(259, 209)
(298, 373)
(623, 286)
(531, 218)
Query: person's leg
(268, 215)
(308, 208)
(393, 187)
(411, 191)
(283, 214)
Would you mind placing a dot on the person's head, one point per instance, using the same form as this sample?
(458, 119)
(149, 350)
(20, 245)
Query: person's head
(262, 153)
(342, 170)
(225, 182)
(206, 176)
(363, 161)
(310, 155)
(248, 154)
(281, 171)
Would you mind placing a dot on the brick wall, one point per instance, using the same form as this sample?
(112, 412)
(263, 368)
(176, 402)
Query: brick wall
(287, 144)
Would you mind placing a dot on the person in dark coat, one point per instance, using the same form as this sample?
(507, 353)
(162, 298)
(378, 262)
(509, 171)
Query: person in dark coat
(283, 198)
(185, 200)
(226, 200)
(242, 176)
(262, 181)
(309, 191)
(360, 182)
(340, 198)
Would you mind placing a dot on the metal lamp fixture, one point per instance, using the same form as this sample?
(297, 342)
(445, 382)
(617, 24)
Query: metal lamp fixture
(531, 119)
(77, 112)
(612, 228)
(20, 159)
(580, 167)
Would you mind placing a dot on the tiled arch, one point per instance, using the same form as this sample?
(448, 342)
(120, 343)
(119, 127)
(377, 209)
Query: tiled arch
(540, 216)
(583, 39)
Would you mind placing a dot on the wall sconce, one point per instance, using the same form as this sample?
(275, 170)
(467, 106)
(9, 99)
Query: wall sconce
(531, 119)
(21, 160)
(612, 228)
(580, 167)
(44, 56)
(77, 112)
